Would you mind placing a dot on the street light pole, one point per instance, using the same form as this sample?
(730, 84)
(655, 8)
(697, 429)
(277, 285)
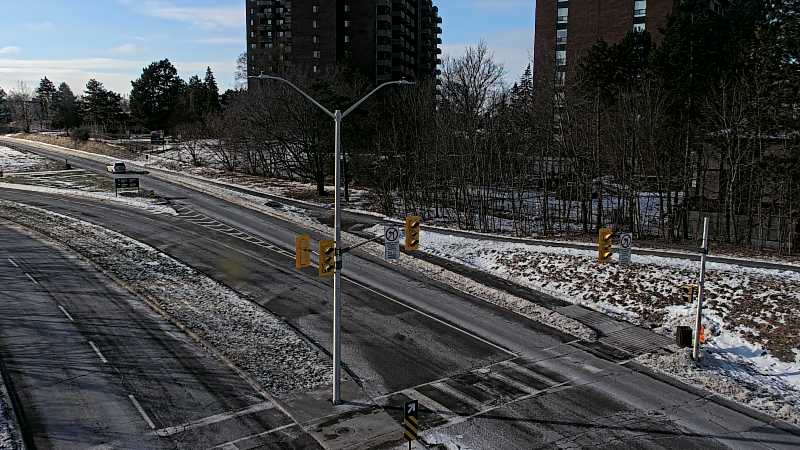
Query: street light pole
(338, 116)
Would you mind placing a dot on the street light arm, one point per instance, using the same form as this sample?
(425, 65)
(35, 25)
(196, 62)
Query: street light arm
(284, 80)
(388, 83)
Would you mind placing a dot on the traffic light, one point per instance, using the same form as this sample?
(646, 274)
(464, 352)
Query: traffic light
(302, 251)
(604, 245)
(327, 258)
(412, 233)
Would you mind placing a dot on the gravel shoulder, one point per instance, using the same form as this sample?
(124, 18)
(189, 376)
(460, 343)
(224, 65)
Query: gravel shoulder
(261, 345)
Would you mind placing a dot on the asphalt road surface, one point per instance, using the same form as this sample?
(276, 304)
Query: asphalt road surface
(93, 367)
(485, 377)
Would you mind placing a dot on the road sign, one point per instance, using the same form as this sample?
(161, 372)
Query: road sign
(410, 421)
(391, 239)
(125, 184)
(625, 244)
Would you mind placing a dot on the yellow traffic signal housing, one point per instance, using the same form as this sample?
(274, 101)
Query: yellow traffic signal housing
(604, 245)
(412, 233)
(327, 258)
(302, 251)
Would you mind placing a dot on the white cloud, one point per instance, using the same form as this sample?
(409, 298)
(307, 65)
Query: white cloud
(125, 49)
(7, 50)
(45, 25)
(116, 74)
(201, 16)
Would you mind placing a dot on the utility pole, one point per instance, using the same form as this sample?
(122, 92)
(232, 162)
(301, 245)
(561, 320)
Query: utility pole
(698, 323)
(338, 116)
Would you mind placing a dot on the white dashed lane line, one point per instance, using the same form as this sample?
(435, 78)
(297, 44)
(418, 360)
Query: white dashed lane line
(13, 263)
(32, 279)
(66, 313)
(141, 411)
(97, 350)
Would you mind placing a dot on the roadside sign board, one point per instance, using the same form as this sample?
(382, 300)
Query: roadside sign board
(125, 184)
(391, 239)
(625, 244)
(411, 421)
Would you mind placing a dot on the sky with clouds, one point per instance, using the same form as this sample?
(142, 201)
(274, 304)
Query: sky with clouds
(111, 40)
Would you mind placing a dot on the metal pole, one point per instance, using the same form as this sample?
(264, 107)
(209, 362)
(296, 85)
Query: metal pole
(337, 276)
(698, 323)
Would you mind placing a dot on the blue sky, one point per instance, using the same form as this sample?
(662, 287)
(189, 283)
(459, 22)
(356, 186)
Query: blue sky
(111, 40)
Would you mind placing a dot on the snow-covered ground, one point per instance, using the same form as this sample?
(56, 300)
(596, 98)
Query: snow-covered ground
(257, 342)
(750, 314)
(15, 161)
(153, 205)
(9, 439)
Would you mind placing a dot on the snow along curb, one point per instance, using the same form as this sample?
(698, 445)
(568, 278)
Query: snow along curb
(140, 203)
(518, 305)
(246, 336)
(10, 438)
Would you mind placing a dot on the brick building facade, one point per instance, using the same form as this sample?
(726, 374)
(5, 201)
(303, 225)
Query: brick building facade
(567, 29)
(383, 39)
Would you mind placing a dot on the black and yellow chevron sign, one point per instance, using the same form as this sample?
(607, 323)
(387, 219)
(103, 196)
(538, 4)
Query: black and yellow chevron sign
(410, 421)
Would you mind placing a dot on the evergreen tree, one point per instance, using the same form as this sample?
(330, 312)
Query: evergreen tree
(45, 96)
(66, 113)
(212, 92)
(102, 108)
(5, 113)
(196, 99)
(156, 98)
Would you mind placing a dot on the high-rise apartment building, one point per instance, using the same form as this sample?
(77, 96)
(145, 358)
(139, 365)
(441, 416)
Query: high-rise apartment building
(383, 39)
(567, 29)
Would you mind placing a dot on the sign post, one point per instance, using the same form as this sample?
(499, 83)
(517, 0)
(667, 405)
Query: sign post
(391, 239)
(625, 243)
(411, 421)
(701, 292)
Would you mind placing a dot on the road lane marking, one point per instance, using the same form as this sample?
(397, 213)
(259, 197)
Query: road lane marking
(232, 444)
(141, 412)
(66, 313)
(97, 350)
(210, 420)
(32, 279)
(13, 263)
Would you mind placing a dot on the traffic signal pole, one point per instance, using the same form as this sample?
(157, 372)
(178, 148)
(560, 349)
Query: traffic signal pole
(338, 116)
(337, 275)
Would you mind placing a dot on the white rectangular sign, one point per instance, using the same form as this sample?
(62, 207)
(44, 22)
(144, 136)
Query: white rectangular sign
(625, 244)
(391, 242)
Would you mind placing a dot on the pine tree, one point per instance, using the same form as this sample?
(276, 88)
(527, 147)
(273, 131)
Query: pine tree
(5, 113)
(157, 98)
(65, 108)
(101, 107)
(212, 92)
(45, 96)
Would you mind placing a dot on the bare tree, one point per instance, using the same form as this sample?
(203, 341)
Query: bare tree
(20, 101)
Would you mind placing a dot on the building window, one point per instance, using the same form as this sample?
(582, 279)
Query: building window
(561, 78)
(347, 24)
(640, 8)
(563, 15)
(314, 24)
(561, 58)
(281, 34)
(346, 39)
(347, 8)
(315, 9)
(317, 54)
(561, 36)
(316, 69)
(315, 39)
(639, 27)
(253, 46)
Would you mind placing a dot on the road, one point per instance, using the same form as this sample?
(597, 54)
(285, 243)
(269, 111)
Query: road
(485, 377)
(92, 366)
